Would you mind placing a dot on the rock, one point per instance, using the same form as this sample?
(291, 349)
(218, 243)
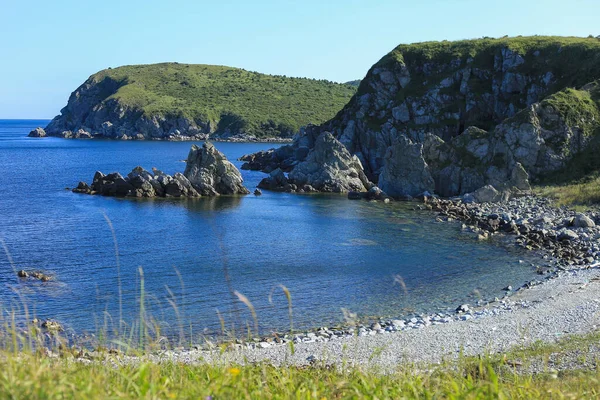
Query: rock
(464, 308)
(375, 193)
(37, 132)
(257, 192)
(210, 170)
(275, 181)
(82, 187)
(185, 185)
(487, 194)
(567, 234)
(405, 171)
(468, 198)
(329, 167)
(355, 195)
(210, 173)
(52, 326)
(583, 221)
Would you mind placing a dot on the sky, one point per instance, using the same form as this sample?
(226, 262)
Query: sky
(48, 48)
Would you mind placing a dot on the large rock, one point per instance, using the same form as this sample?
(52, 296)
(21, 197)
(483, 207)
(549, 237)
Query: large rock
(405, 172)
(37, 132)
(583, 221)
(329, 167)
(211, 174)
(487, 194)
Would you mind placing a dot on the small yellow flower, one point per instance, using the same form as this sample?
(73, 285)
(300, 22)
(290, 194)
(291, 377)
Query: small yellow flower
(234, 371)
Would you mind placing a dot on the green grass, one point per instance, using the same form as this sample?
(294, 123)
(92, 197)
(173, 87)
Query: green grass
(580, 195)
(34, 376)
(230, 98)
(555, 52)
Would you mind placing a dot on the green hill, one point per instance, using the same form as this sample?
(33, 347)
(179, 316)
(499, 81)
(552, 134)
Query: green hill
(157, 100)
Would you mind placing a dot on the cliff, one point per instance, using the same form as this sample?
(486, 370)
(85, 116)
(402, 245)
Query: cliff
(179, 101)
(452, 117)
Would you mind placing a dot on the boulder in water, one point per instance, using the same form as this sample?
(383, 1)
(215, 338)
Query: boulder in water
(37, 132)
(211, 174)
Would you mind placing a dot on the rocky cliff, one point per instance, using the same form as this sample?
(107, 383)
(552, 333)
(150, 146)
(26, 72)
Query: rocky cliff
(452, 117)
(174, 101)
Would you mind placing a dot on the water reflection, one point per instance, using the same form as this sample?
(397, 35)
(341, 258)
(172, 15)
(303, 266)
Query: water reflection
(201, 204)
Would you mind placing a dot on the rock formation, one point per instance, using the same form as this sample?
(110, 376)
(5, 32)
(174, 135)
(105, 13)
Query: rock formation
(211, 174)
(454, 117)
(37, 132)
(207, 173)
(328, 167)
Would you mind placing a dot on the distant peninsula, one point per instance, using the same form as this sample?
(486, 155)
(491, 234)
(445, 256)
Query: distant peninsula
(172, 101)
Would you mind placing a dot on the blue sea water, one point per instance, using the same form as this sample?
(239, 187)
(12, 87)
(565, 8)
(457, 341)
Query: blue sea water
(331, 253)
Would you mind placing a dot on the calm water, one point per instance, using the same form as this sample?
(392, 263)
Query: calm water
(331, 253)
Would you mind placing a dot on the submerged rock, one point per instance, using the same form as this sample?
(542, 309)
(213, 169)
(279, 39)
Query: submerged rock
(52, 326)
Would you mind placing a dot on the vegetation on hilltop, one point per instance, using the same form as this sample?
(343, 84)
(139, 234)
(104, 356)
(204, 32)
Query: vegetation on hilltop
(355, 83)
(572, 62)
(580, 56)
(228, 99)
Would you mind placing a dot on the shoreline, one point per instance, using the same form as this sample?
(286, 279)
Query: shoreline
(174, 138)
(567, 305)
(566, 301)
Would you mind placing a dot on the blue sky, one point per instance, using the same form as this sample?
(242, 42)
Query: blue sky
(49, 48)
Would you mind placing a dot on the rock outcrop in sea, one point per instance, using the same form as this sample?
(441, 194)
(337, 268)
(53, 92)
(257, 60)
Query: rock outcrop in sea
(329, 167)
(483, 117)
(207, 173)
(37, 132)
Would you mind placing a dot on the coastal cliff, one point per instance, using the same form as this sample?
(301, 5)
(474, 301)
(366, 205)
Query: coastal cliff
(453, 117)
(173, 101)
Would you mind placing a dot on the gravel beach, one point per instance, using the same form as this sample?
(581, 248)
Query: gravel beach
(566, 305)
(565, 302)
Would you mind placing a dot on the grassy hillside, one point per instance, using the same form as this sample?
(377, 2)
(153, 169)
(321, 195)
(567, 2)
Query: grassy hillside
(230, 98)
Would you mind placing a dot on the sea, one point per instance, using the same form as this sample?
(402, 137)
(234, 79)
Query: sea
(223, 265)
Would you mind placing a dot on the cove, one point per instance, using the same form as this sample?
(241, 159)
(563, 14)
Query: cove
(371, 259)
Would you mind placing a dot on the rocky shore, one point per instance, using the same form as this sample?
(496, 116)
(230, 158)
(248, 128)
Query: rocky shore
(571, 238)
(207, 173)
(83, 133)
